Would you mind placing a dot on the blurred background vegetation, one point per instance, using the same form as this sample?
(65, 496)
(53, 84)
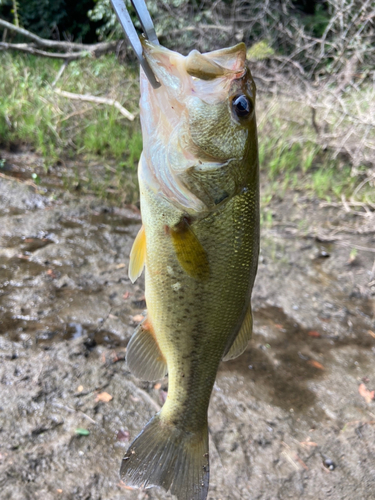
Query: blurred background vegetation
(313, 62)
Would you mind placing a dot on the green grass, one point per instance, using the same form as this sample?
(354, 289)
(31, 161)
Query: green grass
(290, 157)
(31, 113)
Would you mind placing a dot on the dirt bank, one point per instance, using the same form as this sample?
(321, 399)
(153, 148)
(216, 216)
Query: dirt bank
(293, 417)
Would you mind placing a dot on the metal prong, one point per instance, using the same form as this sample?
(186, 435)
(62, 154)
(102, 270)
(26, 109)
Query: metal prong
(132, 35)
(146, 21)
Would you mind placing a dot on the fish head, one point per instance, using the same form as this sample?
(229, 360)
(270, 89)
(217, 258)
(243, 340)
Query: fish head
(199, 126)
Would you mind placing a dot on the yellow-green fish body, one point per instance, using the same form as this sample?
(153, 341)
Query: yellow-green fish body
(199, 242)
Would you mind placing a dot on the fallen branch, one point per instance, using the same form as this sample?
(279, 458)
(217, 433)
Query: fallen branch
(29, 49)
(97, 100)
(28, 181)
(70, 50)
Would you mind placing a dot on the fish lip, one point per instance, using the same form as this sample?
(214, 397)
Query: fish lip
(223, 64)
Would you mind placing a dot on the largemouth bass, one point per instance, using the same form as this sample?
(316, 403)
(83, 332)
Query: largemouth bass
(199, 244)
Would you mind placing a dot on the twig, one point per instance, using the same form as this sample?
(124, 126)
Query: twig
(73, 410)
(10, 178)
(357, 247)
(60, 72)
(144, 395)
(59, 45)
(97, 100)
(24, 47)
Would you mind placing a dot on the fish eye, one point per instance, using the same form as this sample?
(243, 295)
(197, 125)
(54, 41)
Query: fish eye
(242, 106)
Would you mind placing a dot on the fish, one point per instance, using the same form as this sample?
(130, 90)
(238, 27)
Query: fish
(199, 245)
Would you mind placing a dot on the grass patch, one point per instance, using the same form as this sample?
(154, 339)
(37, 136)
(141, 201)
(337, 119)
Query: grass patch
(32, 114)
(291, 158)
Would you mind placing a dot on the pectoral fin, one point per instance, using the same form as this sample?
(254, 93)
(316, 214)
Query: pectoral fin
(143, 355)
(189, 251)
(137, 255)
(243, 337)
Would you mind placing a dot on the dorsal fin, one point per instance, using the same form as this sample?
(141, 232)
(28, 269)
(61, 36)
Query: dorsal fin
(143, 355)
(243, 337)
(137, 255)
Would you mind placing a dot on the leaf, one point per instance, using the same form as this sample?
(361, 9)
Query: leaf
(82, 432)
(104, 397)
(314, 334)
(123, 435)
(366, 394)
(315, 364)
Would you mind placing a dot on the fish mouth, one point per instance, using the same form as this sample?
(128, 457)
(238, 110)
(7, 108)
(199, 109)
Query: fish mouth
(205, 75)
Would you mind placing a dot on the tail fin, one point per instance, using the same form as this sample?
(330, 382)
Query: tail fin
(163, 455)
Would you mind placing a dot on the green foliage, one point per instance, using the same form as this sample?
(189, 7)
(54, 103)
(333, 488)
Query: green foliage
(31, 113)
(316, 23)
(52, 18)
(259, 51)
(291, 158)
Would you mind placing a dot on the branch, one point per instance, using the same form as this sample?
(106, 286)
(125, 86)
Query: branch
(97, 100)
(29, 49)
(72, 50)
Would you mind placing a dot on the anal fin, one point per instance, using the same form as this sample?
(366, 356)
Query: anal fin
(137, 255)
(143, 355)
(243, 337)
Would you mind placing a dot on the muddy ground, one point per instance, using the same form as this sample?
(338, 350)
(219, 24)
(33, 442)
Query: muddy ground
(293, 417)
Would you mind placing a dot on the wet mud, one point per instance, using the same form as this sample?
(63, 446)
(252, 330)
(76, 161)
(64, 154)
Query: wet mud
(293, 417)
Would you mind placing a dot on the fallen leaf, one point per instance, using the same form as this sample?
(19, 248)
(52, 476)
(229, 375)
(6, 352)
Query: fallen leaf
(314, 333)
(126, 295)
(371, 333)
(366, 394)
(104, 397)
(137, 318)
(22, 256)
(82, 432)
(123, 435)
(279, 327)
(315, 364)
(120, 266)
(115, 356)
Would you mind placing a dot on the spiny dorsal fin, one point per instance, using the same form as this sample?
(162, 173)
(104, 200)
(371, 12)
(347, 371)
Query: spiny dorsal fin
(143, 355)
(137, 255)
(189, 251)
(243, 337)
